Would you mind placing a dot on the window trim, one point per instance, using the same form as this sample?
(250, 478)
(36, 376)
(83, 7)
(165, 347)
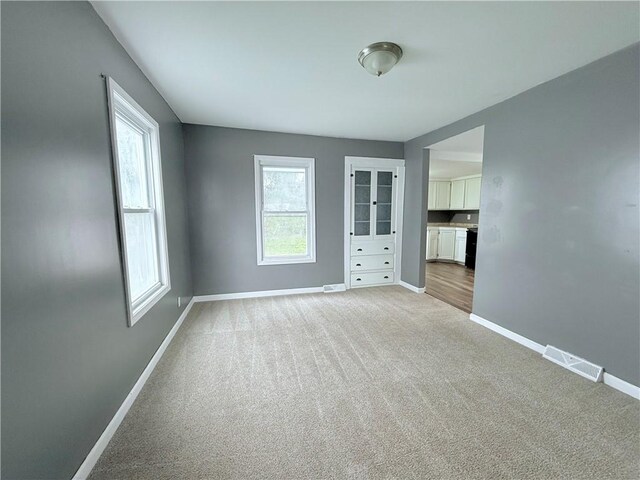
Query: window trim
(121, 103)
(280, 161)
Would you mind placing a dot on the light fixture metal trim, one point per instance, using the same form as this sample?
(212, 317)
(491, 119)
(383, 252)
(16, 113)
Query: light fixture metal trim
(390, 47)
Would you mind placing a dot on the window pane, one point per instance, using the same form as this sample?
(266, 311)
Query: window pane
(131, 158)
(362, 228)
(385, 178)
(284, 189)
(362, 208)
(363, 177)
(383, 228)
(142, 252)
(285, 235)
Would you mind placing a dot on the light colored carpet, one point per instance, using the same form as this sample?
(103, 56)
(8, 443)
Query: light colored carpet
(370, 383)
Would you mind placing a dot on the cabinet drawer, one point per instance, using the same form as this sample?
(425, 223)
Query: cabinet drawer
(373, 248)
(371, 262)
(373, 278)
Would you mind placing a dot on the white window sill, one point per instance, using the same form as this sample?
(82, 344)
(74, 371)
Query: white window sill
(286, 261)
(140, 310)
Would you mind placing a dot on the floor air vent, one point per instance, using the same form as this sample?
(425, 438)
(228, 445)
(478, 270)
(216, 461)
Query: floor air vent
(573, 363)
(338, 287)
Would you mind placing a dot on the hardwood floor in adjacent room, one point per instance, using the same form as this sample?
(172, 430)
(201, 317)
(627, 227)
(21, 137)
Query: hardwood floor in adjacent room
(451, 283)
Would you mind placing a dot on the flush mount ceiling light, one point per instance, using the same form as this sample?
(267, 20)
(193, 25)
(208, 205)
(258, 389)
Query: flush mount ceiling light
(379, 58)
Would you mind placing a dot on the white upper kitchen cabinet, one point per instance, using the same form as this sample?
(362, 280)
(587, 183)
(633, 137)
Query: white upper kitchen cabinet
(472, 193)
(438, 196)
(443, 192)
(457, 195)
(431, 203)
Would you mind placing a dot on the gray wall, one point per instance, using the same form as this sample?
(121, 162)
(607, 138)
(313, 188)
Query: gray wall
(68, 357)
(558, 249)
(453, 216)
(220, 179)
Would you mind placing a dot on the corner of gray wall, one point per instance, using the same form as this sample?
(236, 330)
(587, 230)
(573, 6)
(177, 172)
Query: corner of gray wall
(559, 229)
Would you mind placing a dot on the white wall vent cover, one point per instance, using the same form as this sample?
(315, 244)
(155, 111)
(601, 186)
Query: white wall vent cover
(573, 363)
(338, 287)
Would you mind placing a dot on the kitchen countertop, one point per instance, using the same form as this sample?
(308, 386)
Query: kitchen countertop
(456, 225)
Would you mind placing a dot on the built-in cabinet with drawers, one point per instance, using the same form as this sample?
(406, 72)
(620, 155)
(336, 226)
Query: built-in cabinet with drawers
(446, 244)
(457, 194)
(374, 194)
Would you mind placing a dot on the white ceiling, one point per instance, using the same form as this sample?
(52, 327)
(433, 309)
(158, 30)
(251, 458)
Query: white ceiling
(457, 156)
(292, 67)
(469, 142)
(448, 169)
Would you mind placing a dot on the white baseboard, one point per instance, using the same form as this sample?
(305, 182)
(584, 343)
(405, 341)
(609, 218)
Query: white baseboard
(263, 293)
(411, 287)
(608, 379)
(507, 333)
(334, 288)
(93, 456)
(619, 384)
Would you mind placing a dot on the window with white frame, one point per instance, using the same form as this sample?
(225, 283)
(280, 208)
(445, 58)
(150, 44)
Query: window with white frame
(136, 154)
(285, 209)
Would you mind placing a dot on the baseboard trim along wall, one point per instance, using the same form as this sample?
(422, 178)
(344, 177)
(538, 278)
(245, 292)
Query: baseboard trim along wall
(289, 291)
(508, 333)
(619, 384)
(608, 379)
(262, 293)
(411, 287)
(93, 456)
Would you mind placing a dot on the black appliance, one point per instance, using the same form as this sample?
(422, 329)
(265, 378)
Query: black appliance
(470, 252)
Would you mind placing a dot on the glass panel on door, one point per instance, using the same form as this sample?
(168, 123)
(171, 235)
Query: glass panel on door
(384, 181)
(362, 203)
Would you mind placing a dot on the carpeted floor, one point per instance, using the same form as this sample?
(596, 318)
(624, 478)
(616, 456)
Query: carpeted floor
(370, 383)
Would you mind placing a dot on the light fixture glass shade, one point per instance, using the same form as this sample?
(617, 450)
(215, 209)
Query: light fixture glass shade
(379, 58)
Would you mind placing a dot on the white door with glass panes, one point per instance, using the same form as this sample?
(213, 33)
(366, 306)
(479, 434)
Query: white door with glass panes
(373, 211)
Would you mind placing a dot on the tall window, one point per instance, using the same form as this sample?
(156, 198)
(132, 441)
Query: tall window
(285, 210)
(136, 154)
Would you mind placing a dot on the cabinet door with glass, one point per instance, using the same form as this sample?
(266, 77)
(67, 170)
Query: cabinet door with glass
(373, 205)
(362, 202)
(384, 203)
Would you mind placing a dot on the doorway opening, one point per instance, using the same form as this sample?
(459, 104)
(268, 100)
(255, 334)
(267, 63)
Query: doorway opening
(455, 178)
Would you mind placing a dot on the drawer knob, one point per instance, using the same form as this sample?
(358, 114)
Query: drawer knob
(358, 265)
(386, 248)
(358, 279)
(386, 263)
(359, 250)
(386, 276)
